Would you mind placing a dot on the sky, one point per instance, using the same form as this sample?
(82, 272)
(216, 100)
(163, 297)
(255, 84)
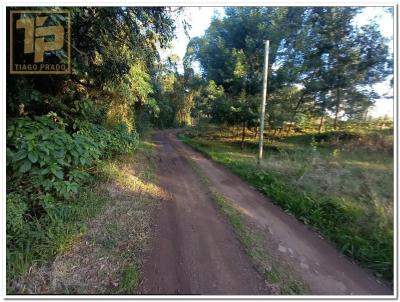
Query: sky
(200, 18)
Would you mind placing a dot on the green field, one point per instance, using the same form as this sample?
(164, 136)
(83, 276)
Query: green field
(340, 183)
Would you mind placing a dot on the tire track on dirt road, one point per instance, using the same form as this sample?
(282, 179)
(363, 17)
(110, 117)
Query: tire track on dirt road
(193, 250)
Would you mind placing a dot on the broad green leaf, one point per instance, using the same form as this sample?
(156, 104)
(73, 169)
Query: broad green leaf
(59, 174)
(33, 157)
(21, 154)
(26, 166)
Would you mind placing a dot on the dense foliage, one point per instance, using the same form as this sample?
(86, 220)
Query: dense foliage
(42, 157)
(57, 126)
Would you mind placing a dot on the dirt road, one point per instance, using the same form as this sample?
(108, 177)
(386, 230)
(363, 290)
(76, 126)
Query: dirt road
(194, 251)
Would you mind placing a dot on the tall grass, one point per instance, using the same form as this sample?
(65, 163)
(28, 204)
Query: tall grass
(41, 239)
(341, 187)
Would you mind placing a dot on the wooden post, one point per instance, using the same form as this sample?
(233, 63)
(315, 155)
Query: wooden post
(263, 101)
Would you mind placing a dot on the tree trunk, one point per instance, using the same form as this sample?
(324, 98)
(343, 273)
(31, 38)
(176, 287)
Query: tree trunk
(299, 102)
(256, 130)
(243, 135)
(337, 108)
(321, 123)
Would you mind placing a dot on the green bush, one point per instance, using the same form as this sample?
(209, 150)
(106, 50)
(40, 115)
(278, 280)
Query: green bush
(43, 158)
(46, 170)
(111, 142)
(45, 165)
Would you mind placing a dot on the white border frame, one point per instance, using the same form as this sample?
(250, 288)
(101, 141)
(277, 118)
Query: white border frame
(194, 3)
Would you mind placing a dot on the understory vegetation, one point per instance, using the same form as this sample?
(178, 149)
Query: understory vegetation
(340, 183)
(50, 189)
(51, 183)
(99, 238)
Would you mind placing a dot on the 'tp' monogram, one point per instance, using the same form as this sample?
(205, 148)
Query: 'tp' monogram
(35, 35)
(40, 42)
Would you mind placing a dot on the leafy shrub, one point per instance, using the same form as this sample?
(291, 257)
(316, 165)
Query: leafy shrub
(46, 168)
(42, 157)
(111, 142)
(88, 110)
(44, 160)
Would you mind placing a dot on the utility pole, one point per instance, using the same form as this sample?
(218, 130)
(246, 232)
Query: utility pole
(264, 97)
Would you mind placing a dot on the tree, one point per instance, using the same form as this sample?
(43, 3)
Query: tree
(114, 51)
(317, 49)
(347, 58)
(230, 54)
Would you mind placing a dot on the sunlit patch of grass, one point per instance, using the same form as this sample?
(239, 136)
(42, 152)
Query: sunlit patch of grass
(128, 180)
(147, 146)
(134, 175)
(366, 165)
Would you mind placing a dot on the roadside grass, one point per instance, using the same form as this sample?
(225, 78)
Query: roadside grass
(130, 280)
(43, 239)
(279, 278)
(341, 187)
(101, 251)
